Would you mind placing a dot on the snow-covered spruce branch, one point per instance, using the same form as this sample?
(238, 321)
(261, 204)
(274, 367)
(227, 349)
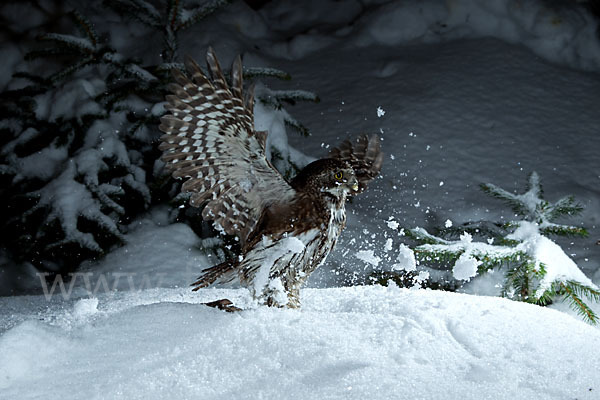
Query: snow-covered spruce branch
(85, 26)
(139, 10)
(83, 45)
(573, 292)
(174, 18)
(265, 72)
(249, 73)
(536, 269)
(295, 124)
(189, 17)
(275, 97)
(531, 206)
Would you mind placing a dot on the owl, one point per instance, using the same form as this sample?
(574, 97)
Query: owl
(285, 229)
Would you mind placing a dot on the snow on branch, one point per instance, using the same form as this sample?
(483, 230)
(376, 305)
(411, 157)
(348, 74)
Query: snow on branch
(82, 44)
(189, 17)
(260, 72)
(537, 270)
(85, 26)
(532, 207)
(140, 10)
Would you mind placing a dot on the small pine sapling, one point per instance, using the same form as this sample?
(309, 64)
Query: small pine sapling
(536, 269)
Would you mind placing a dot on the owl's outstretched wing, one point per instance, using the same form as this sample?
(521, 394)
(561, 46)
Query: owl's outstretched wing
(210, 141)
(364, 155)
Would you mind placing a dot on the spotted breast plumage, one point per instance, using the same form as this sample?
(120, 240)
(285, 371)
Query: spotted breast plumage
(285, 229)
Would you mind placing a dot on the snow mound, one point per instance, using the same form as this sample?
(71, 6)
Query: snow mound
(563, 34)
(345, 343)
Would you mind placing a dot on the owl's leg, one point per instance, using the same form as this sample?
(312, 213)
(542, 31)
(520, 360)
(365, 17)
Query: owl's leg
(274, 294)
(282, 299)
(292, 287)
(223, 304)
(294, 298)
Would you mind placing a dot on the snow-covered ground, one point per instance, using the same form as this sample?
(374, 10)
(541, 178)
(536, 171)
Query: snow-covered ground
(462, 93)
(345, 343)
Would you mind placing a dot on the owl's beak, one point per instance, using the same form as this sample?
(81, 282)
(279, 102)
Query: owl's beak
(354, 185)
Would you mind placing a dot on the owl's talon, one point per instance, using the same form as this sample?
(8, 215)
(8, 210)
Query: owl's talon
(223, 304)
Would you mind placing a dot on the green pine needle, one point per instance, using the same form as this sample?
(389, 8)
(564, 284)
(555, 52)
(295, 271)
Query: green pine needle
(563, 230)
(573, 291)
(517, 206)
(296, 125)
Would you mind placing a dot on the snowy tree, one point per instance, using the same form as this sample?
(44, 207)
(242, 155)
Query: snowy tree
(79, 159)
(536, 269)
(80, 151)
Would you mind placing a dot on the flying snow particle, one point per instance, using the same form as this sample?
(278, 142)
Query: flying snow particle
(448, 223)
(388, 244)
(406, 259)
(278, 291)
(393, 225)
(466, 237)
(380, 112)
(465, 267)
(368, 257)
(85, 307)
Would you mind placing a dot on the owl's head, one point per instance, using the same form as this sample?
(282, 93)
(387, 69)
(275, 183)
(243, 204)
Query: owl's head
(327, 175)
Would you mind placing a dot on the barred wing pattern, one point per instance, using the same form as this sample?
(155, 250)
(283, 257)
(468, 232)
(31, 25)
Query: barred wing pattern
(364, 155)
(210, 141)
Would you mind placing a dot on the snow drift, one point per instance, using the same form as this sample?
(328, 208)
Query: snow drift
(346, 343)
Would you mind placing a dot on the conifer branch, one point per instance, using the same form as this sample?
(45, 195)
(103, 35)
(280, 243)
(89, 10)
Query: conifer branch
(71, 69)
(259, 72)
(296, 125)
(572, 291)
(292, 96)
(82, 45)
(173, 14)
(421, 235)
(85, 26)
(516, 245)
(190, 17)
(140, 10)
(424, 255)
(509, 198)
(51, 52)
(564, 206)
(564, 230)
(534, 186)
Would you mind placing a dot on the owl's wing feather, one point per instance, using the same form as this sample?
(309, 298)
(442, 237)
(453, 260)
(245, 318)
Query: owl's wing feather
(210, 141)
(364, 155)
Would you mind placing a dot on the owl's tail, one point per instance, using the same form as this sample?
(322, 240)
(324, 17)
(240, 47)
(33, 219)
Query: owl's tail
(223, 273)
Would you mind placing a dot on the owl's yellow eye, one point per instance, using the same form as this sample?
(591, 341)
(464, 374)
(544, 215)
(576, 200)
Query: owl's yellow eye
(338, 176)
